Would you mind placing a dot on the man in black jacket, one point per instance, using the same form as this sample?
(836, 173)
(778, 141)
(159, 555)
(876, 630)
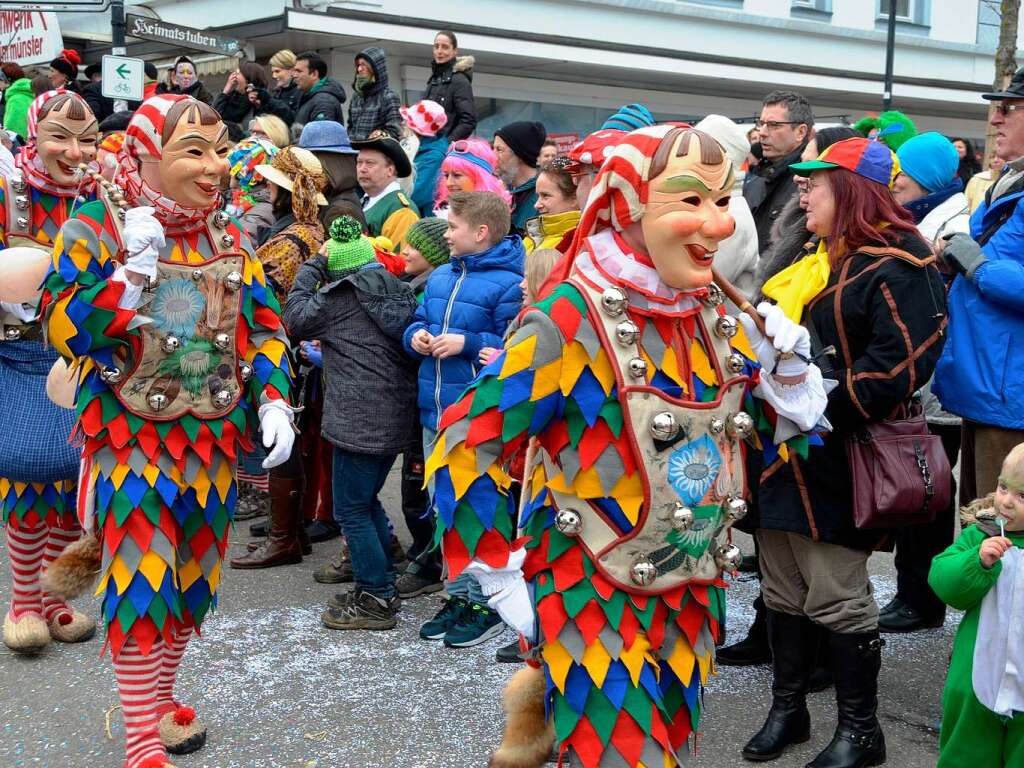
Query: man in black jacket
(451, 86)
(322, 96)
(785, 126)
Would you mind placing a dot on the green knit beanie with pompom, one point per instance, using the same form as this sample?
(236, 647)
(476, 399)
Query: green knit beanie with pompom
(347, 249)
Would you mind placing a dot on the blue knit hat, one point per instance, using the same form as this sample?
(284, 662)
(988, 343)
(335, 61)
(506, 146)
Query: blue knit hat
(629, 118)
(930, 159)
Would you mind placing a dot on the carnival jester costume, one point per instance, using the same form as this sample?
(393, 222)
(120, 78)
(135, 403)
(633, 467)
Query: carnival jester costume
(179, 345)
(38, 466)
(637, 396)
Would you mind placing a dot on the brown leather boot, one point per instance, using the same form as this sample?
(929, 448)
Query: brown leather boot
(307, 545)
(282, 546)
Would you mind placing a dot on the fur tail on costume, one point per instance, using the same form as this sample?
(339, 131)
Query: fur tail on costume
(528, 735)
(75, 569)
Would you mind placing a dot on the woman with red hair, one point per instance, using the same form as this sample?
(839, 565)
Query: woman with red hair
(871, 290)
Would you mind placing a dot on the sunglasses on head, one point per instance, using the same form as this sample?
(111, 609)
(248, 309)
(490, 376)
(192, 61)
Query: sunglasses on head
(464, 149)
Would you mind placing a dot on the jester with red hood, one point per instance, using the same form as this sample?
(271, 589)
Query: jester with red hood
(156, 300)
(38, 466)
(637, 395)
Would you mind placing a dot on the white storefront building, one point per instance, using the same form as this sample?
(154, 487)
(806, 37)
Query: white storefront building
(568, 63)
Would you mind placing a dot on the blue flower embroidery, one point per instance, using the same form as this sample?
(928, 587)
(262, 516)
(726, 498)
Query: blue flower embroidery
(692, 469)
(177, 307)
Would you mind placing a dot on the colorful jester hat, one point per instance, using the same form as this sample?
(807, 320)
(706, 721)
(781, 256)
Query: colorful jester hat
(244, 158)
(621, 190)
(143, 141)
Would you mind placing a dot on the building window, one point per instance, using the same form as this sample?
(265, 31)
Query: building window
(816, 10)
(912, 16)
(988, 23)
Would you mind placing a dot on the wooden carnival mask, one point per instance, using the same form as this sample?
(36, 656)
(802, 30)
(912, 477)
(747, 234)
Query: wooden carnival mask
(67, 135)
(687, 211)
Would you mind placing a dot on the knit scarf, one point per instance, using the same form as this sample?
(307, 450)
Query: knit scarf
(306, 186)
(32, 167)
(176, 218)
(796, 286)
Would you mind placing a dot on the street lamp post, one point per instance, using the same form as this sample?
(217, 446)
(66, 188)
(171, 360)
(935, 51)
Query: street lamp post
(890, 50)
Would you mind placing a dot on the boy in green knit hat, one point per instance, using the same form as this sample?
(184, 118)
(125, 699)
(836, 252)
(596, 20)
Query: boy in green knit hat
(346, 249)
(425, 249)
(982, 574)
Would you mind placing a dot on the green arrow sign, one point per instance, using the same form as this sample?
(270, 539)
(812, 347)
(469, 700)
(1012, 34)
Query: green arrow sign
(122, 71)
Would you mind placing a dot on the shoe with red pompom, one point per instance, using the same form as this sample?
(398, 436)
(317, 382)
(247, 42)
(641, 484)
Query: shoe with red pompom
(181, 733)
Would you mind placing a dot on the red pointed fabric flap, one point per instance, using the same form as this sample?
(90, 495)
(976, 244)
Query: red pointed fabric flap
(690, 620)
(492, 549)
(552, 615)
(656, 634)
(568, 569)
(486, 426)
(459, 409)
(628, 738)
(628, 626)
(586, 743)
(602, 586)
(455, 553)
(590, 621)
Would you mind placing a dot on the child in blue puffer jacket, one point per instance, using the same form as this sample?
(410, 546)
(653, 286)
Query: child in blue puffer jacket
(467, 305)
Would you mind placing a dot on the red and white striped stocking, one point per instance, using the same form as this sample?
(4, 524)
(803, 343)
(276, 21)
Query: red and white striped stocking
(56, 540)
(172, 654)
(26, 547)
(138, 676)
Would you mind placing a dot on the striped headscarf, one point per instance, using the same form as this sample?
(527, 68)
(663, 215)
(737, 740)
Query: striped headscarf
(143, 140)
(31, 164)
(36, 107)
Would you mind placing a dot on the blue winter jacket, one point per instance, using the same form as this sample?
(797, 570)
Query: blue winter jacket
(979, 374)
(428, 161)
(476, 296)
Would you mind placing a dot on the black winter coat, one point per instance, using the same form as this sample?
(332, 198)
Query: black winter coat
(197, 91)
(376, 107)
(289, 95)
(891, 302)
(235, 107)
(767, 188)
(322, 103)
(451, 86)
(369, 380)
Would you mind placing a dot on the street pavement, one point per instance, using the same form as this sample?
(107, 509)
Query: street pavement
(279, 691)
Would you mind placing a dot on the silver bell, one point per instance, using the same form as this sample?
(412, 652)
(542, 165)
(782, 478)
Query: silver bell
(735, 509)
(627, 332)
(227, 240)
(638, 368)
(18, 183)
(233, 280)
(22, 222)
(222, 341)
(111, 375)
(221, 219)
(12, 334)
(715, 297)
(740, 425)
(568, 522)
(21, 202)
(664, 426)
(725, 326)
(735, 363)
(643, 573)
(716, 426)
(157, 401)
(122, 213)
(197, 275)
(170, 344)
(245, 371)
(613, 301)
(728, 557)
(682, 517)
(223, 398)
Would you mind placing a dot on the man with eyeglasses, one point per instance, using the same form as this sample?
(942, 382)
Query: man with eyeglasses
(783, 130)
(978, 376)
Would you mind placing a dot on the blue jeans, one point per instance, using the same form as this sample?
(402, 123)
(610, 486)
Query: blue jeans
(464, 586)
(358, 478)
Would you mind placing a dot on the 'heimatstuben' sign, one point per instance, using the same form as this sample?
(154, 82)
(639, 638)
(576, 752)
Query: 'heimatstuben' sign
(161, 31)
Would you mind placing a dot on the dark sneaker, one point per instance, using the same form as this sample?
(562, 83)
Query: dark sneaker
(509, 654)
(444, 619)
(417, 581)
(339, 572)
(322, 530)
(251, 503)
(341, 599)
(477, 624)
(360, 611)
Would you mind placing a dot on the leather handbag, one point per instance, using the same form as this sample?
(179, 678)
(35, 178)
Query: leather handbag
(900, 472)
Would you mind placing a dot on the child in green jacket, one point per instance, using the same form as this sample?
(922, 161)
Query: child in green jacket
(982, 573)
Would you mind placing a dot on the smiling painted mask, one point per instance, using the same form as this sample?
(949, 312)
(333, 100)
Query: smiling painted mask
(66, 135)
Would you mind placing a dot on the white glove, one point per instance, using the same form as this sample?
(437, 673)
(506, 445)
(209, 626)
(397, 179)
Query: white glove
(790, 340)
(143, 238)
(278, 435)
(24, 312)
(507, 592)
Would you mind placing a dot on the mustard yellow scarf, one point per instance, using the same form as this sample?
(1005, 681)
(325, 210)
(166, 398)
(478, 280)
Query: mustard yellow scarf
(796, 286)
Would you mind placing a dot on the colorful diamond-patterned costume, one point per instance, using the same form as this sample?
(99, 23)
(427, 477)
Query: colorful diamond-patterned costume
(168, 393)
(38, 465)
(637, 402)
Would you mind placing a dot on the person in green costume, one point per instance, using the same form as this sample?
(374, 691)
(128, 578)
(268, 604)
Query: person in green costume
(983, 702)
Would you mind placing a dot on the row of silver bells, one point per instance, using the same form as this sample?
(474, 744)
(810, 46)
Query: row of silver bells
(232, 280)
(569, 522)
(614, 300)
(158, 400)
(665, 426)
(643, 573)
(170, 343)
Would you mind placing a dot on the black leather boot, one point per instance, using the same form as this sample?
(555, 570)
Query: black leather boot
(858, 741)
(754, 649)
(792, 641)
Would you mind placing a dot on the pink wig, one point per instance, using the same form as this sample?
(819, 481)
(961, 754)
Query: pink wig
(472, 161)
